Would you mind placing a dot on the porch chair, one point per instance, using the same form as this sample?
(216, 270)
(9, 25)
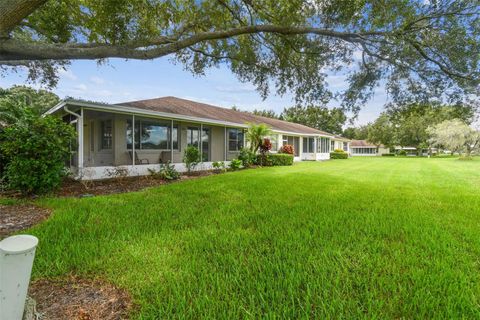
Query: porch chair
(137, 160)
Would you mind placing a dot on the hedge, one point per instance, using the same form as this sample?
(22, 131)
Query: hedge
(276, 159)
(338, 155)
(388, 155)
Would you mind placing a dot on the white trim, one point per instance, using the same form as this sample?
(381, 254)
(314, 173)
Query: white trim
(133, 141)
(80, 139)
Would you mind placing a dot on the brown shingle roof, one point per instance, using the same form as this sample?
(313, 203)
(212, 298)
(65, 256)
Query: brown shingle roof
(196, 109)
(362, 143)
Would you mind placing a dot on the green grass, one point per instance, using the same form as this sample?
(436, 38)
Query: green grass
(358, 238)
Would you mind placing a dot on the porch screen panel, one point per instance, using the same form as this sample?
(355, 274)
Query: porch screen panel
(151, 135)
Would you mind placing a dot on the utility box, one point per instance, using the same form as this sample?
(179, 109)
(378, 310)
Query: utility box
(16, 261)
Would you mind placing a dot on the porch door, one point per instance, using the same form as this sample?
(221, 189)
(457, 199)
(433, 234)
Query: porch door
(89, 143)
(206, 144)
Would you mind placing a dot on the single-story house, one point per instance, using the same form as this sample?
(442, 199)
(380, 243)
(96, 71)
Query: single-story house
(140, 135)
(340, 143)
(365, 148)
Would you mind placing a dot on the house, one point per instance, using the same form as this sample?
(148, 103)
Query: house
(139, 135)
(365, 148)
(340, 143)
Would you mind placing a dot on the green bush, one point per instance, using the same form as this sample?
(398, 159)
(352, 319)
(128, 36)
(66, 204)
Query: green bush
(235, 164)
(191, 157)
(388, 155)
(275, 159)
(166, 172)
(402, 153)
(339, 150)
(35, 150)
(338, 155)
(219, 166)
(247, 157)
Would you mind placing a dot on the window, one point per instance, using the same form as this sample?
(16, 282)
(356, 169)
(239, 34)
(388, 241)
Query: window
(107, 137)
(323, 145)
(364, 150)
(235, 139)
(308, 145)
(151, 135)
(274, 141)
(345, 146)
(332, 145)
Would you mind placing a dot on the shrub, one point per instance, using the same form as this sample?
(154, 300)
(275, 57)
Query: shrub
(402, 153)
(288, 149)
(388, 155)
(35, 150)
(338, 155)
(219, 166)
(266, 146)
(191, 157)
(235, 164)
(166, 172)
(247, 157)
(277, 159)
(338, 150)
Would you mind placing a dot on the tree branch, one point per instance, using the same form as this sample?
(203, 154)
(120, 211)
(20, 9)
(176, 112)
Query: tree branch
(12, 50)
(12, 12)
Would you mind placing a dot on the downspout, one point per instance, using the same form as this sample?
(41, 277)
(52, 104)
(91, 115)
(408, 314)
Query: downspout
(79, 133)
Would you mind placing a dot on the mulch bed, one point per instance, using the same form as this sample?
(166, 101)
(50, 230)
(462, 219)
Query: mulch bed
(73, 188)
(14, 218)
(77, 298)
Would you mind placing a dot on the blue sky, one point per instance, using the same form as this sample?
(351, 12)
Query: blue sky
(120, 81)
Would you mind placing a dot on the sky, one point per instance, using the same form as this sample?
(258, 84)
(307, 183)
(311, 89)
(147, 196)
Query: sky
(121, 81)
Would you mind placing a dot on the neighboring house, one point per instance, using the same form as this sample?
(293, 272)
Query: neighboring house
(339, 142)
(365, 148)
(412, 151)
(140, 135)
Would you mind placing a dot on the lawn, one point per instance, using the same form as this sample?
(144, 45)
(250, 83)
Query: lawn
(357, 238)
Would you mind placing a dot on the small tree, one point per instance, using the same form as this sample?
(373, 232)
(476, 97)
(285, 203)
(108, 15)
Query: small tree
(35, 150)
(255, 135)
(191, 157)
(455, 135)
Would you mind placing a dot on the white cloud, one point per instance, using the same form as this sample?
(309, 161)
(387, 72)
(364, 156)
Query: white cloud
(81, 87)
(236, 88)
(97, 80)
(67, 74)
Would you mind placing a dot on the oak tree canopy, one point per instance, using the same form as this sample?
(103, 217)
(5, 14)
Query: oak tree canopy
(419, 50)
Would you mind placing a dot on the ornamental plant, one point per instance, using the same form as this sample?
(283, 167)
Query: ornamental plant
(288, 149)
(191, 158)
(35, 150)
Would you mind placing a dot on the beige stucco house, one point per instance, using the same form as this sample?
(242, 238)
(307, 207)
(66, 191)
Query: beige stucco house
(140, 135)
(365, 148)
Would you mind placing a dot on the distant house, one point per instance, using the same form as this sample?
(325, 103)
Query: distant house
(365, 148)
(142, 134)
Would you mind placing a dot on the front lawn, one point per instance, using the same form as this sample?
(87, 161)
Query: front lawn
(357, 238)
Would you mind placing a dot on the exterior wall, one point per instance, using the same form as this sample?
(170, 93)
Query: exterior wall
(98, 173)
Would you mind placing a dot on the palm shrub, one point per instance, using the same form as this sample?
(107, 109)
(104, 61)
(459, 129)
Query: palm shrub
(34, 151)
(191, 157)
(255, 135)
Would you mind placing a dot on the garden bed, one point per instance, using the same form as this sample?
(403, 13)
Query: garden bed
(14, 218)
(76, 298)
